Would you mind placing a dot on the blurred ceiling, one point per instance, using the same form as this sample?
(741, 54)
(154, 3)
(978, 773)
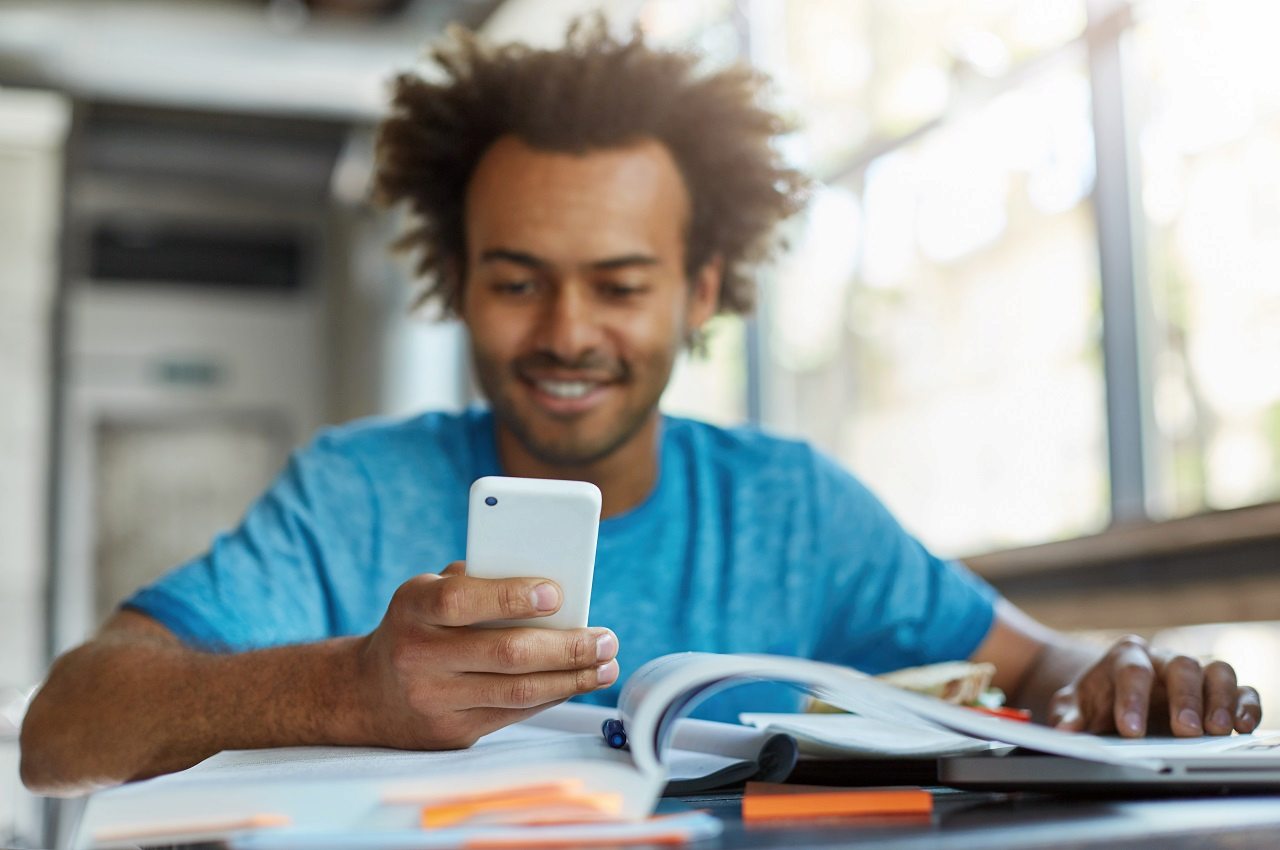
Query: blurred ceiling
(304, 58)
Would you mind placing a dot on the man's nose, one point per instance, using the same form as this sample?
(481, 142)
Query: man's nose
(569, 325)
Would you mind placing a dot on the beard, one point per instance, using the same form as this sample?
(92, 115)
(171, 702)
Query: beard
(576, 440)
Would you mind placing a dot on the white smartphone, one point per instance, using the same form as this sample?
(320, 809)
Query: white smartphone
(536, 527)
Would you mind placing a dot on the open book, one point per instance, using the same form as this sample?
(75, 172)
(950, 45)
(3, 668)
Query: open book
(374, 798)
(667, 688)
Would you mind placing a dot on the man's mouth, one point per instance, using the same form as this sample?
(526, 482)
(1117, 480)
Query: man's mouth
(566, 389)
(569, 394)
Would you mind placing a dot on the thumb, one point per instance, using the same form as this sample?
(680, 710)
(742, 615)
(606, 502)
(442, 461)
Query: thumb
(1064, 710)
(457, 568)
(1067, 717)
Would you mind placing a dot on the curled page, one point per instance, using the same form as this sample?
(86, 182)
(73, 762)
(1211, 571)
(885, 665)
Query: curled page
(667, 688)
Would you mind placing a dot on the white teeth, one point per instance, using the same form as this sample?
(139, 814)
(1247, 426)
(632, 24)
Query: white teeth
(566, 389)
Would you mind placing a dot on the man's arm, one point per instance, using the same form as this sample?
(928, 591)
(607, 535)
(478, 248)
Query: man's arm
(1124, 689)
(136, 702)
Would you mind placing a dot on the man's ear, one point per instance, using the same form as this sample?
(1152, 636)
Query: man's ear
(704, 292)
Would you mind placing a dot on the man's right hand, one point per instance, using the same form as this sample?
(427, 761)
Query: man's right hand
(135, 701)
(432, 679)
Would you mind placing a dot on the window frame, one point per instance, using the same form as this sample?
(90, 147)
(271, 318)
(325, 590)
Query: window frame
(1125, 304)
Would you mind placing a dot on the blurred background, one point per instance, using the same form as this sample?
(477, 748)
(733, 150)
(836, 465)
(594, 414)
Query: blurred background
(1035, 303)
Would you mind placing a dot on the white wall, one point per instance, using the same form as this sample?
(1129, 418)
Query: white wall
(32, 128)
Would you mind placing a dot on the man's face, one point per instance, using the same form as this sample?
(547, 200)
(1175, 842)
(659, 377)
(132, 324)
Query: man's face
(575, 294)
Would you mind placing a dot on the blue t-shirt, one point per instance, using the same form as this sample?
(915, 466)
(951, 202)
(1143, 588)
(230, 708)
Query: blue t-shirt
(747, 543)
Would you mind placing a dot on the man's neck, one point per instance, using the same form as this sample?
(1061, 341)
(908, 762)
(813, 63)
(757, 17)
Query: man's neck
(625, 477)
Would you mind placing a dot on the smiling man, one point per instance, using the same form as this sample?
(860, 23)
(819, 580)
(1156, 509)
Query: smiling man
(585, 211)
(577, 304)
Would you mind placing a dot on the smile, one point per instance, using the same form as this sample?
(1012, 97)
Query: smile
(564, 396)
(566, 389)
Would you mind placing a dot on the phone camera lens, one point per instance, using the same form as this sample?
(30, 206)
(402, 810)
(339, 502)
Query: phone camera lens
(490, 500)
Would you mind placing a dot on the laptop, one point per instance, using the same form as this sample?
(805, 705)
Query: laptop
(1174, 765)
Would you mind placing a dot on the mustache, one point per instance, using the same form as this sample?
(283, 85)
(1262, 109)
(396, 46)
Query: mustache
(590, 362)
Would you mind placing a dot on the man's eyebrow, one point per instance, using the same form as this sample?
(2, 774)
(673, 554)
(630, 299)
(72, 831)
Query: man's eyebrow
(624, 261)
(522, 258)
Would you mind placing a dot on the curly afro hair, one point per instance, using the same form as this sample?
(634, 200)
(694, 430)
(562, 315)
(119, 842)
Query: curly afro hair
(595, 92)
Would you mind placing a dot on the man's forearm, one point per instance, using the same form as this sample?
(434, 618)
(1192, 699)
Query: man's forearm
(117, 710)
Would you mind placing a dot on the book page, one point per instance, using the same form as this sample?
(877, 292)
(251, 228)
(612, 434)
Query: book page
(728, 740)
(511, 746)
(703, 754)
(351, 788)
(853, 736)
(664, 689)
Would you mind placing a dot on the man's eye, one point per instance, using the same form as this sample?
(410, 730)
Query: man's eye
(615, 289)
(514, 287)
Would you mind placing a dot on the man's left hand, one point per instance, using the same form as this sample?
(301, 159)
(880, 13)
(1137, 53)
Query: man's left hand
(1134, 688)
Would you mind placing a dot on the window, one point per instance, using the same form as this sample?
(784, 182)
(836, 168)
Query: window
(862, 73)
(953, 362)
(939, 324)
(1207, 126)
(937, 327)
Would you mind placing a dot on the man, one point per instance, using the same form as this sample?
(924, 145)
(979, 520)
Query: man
(585, 212)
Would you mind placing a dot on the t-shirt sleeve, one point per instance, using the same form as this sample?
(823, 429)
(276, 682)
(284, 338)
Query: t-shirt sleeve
(890, 602)
(271, 580)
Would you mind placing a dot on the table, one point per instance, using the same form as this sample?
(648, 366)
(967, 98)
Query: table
(987, 821)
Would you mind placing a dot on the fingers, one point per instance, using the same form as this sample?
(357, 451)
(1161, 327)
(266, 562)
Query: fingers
(1185, 685)
(534, 650)
(1133, 676)
(1121, 690)
(453, 599)
(1220, 696)
(485, 720)
(1064, 710)
(495, 690)
(1248, 712)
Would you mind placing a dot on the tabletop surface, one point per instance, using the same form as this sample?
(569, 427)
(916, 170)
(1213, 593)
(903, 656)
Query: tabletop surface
(992, 821)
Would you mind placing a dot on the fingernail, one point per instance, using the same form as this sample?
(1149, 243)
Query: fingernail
(1132, 722)
(1222, 719)
(1187, 717)
(606, 646)
(607, 673)
(545, 597)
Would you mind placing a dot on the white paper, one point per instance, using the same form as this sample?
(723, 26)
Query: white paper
(691, 826)
(725, 741)
(852, 736)
(346, 789)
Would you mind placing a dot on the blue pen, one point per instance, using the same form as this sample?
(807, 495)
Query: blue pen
(614, 735)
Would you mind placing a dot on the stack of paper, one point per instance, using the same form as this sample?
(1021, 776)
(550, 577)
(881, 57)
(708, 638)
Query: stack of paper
(551, 775)
(663, 830)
